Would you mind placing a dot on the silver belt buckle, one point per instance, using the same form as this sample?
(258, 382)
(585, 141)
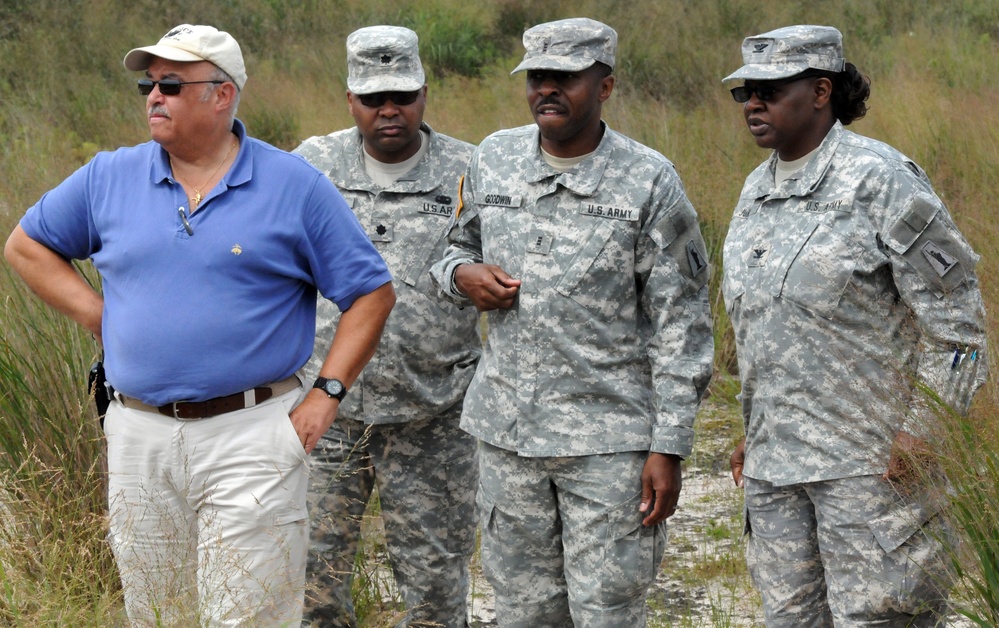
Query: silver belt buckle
(181, 418)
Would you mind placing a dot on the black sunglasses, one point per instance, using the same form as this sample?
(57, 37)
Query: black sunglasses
(765, 92)
(168, 87)
(399, 98)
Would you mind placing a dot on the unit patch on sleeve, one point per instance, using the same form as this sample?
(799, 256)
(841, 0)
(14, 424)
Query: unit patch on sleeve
(940, 260)
(695, 259)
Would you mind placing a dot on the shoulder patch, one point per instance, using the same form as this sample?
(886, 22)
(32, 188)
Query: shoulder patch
(939, 259)
(695, 258)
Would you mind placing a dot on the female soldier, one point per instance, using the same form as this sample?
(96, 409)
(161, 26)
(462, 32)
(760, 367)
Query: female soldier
(851, 293)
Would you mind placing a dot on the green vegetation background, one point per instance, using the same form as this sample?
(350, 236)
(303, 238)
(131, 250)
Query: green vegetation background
(64, 95)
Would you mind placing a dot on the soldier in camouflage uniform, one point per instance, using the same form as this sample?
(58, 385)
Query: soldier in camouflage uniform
(847, 282)
(398, 427)
(583, 249)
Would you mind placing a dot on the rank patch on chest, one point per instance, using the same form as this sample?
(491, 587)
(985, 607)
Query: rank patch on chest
(539, 242)
(382, 232)
(758, 254)
(609, 211)
(940, 260)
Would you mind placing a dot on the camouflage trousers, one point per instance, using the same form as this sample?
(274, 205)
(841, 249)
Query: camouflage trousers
(426, 472)
(562, 539)
(847, 552)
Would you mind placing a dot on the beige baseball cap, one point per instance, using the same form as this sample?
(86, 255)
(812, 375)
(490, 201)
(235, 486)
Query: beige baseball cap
(188, 43)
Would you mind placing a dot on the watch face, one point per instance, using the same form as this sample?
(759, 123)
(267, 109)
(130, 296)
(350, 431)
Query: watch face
(333, 388)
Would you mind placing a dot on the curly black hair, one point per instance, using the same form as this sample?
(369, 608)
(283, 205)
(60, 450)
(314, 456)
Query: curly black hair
(850, 91)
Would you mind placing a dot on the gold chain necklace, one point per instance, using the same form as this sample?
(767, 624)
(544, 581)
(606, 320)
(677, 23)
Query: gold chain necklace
(196, 199)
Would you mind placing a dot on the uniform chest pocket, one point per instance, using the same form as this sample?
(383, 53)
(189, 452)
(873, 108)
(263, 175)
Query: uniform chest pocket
(425, 247)
(820, 271)
(597, 276)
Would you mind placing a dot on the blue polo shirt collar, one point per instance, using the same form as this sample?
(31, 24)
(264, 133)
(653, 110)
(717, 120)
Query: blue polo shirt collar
(240, 172)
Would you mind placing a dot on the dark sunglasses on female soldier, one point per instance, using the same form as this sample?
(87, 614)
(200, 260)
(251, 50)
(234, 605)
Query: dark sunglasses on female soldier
(766, 90)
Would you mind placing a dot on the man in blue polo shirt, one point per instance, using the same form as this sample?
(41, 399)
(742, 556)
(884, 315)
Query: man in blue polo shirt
(211, 247)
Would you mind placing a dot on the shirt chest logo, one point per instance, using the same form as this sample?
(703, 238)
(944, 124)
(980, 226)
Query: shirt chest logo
(609, 211)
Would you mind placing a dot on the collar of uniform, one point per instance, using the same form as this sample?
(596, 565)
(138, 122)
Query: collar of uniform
(585, 178)
(809, 177)
(350, 174)
(240, 172)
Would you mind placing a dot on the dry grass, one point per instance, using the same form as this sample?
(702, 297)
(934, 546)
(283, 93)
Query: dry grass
(63, 95)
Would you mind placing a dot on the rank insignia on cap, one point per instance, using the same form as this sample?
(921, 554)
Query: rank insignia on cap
(940, 260)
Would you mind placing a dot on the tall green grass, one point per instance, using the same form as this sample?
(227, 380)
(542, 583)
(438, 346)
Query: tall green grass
(64, 95)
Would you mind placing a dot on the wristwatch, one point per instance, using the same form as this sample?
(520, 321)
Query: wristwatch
(332, 387)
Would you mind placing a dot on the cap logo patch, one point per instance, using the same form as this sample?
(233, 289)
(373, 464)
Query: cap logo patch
(760, 47)
(545, 44)
(940, 260)
(386, 59)
(175, 33)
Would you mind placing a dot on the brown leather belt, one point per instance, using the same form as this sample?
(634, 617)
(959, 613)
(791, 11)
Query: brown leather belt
(193, 410)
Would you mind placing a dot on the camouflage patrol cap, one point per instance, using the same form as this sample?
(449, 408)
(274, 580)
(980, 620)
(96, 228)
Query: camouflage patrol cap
(384, 59)
(568, 45)
(789, 51)
(189, 43)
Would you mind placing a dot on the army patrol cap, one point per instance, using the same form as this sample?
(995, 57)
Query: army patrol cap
(189, 43)
(384, 59)
(568, 45)
(789, 51)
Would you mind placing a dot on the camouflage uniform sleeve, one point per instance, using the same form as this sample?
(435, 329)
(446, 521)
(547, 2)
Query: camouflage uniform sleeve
(312, 151)
(672, 268)
(933, 267)
(464, 245)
